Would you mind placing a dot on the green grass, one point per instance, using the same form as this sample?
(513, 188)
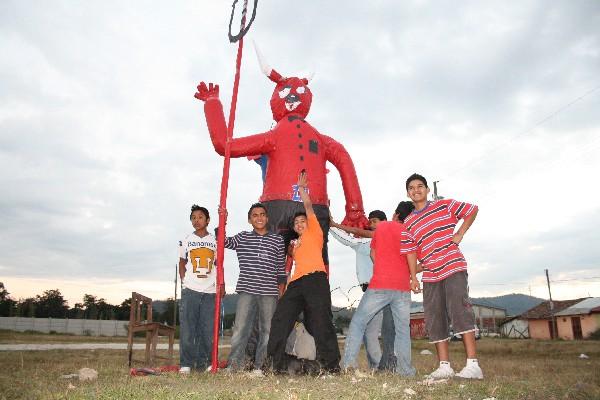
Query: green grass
(514, 369)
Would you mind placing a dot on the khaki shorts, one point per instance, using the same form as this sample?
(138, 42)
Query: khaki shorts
(447, 302)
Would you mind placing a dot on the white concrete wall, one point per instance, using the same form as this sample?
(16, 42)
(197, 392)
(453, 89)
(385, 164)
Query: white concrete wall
(74, 326)
(517, 328)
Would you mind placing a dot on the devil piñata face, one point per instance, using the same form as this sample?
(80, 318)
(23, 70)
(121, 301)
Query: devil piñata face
(291, 96)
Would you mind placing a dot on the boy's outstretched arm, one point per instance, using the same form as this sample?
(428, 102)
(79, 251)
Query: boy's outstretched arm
(351, 229)
(302, 182)
(467, 222)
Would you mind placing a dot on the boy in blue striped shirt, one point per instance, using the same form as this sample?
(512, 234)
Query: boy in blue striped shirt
(261, 256)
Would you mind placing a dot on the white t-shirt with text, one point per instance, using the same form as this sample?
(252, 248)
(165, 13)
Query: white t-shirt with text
(200, 253)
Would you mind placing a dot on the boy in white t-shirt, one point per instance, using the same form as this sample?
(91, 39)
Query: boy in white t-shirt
(197, 253)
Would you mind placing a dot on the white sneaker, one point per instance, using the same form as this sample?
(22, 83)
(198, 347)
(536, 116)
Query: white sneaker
(471, 371)
(185, 370)
(444, 371)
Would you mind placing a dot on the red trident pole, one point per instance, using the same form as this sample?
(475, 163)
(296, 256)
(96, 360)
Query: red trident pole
(223, 199)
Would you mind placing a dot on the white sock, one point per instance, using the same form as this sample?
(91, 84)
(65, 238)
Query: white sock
(444, 363)
(472, 361)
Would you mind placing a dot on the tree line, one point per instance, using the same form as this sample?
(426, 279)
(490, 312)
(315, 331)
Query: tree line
(52, 304)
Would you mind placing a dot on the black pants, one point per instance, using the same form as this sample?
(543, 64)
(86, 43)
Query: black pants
(311, 295)
(281, 220)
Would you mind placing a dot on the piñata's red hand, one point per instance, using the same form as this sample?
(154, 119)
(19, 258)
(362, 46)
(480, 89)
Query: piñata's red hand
(204, 93)
(356, 218)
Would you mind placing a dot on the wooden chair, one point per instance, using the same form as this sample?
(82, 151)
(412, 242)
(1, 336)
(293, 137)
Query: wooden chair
(153, 329)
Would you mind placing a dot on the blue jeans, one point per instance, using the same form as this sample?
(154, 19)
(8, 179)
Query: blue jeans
(197, 315)
(388, 335)
(371, 340)
(373, 301)
(248, 306)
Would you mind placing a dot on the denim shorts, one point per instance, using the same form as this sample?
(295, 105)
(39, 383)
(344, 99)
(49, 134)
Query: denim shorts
(447, 302)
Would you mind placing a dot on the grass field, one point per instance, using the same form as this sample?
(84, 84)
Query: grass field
(514, 369)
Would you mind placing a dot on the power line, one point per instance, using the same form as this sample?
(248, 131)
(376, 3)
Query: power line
(579, 151)
(511, 283)
(577, 279)
(525, 132)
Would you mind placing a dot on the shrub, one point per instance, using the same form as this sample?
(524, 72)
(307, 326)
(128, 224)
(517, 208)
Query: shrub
(595, 335)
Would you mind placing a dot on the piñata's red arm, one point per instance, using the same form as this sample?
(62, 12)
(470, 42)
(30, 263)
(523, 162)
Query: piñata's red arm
(339, 157)
(243, 146)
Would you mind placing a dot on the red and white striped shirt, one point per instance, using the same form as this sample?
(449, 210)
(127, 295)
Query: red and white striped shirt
(433, 228)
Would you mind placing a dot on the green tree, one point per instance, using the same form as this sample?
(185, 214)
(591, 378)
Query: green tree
(122, 310)
(90, 306)
(105, 310)
(77, 312)
(7, 304)
(97, 308)
(26, 307)
(51, 304)
(167, 316)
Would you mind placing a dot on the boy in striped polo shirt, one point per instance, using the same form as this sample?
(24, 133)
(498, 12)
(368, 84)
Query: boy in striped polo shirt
(445, 286)
(261, 256)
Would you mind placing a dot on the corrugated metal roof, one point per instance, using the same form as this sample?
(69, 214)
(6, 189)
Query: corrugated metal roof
(542, 310)
(486, 303)
(583, 307)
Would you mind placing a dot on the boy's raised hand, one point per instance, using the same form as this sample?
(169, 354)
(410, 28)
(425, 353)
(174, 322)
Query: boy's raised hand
(302, 179)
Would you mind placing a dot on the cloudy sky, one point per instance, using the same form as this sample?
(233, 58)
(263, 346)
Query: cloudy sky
(103, 147)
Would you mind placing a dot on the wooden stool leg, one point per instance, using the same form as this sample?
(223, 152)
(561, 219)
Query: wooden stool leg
(154, 343)
(129, 346)
(171, 343)
(148, 344)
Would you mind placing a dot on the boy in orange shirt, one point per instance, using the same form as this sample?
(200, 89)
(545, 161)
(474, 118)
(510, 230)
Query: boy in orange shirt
(308, 291)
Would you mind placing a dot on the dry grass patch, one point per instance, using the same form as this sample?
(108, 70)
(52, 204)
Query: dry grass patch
(514, 370)
(12, 337)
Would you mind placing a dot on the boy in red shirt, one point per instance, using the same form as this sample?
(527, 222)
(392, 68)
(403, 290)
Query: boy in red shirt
(394, 275)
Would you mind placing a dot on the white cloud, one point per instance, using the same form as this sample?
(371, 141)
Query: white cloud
(103, 147)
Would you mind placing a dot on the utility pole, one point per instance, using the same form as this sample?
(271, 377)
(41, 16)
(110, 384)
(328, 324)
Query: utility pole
(175, 298)
(435, 192)
(553, 332)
